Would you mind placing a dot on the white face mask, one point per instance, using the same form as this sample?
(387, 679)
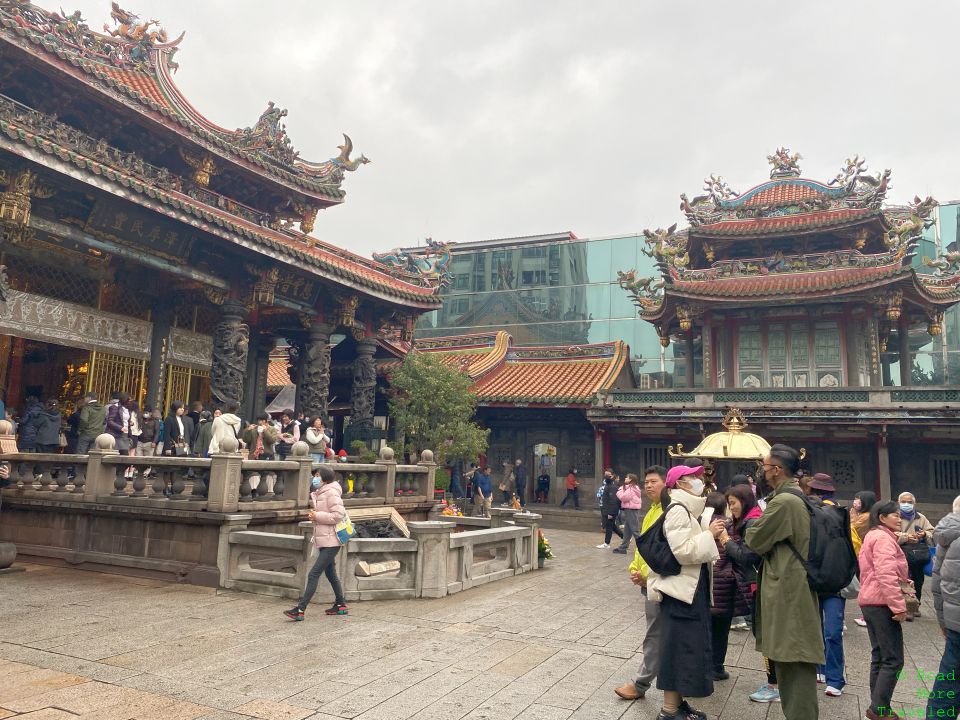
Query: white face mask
(697, 486)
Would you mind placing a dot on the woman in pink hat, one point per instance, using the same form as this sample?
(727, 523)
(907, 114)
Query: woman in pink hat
(686, 664)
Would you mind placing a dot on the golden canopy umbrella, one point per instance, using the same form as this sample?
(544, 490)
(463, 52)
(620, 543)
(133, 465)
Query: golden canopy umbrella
(731, 444)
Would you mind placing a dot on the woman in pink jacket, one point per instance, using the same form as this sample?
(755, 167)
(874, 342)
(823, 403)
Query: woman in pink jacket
(327, 511)
(883, 567)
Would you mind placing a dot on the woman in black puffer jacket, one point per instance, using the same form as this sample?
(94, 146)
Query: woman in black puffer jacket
(609, 509)
(727, 600)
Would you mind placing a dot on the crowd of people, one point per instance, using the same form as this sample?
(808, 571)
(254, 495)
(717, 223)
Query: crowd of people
(742, 559)
(146, 432)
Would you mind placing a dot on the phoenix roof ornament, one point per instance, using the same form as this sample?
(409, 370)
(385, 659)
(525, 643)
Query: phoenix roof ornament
(784, 164)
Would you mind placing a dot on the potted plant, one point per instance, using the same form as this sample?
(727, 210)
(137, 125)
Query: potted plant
(544, 551)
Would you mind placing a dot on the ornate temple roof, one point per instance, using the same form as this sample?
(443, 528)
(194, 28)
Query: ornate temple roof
(508, 375)
(133, 61)
(817, 239)
(542, 375)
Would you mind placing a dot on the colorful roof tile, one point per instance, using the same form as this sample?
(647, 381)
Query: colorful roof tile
(539, 375)
(788, 224)
(135, 60)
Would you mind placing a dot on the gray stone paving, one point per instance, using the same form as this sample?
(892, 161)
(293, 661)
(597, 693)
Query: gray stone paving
(549, 645)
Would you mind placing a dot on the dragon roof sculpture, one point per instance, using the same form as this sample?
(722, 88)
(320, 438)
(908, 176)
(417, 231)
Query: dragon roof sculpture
(133, 60)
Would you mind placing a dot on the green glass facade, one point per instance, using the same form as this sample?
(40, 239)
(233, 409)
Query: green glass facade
(555, 290)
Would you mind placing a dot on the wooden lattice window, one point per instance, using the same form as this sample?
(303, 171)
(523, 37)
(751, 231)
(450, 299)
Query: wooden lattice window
(945, 471)
(653, 455)
(62, 283)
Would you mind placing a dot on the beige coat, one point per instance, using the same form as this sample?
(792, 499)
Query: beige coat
(692, 545)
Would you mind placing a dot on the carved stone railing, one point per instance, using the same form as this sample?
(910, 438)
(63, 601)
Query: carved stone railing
(433, 562)
(223, 483)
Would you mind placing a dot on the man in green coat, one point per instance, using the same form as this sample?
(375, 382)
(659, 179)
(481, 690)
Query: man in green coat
(787, 611)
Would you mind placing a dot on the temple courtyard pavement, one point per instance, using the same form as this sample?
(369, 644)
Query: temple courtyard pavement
(548, 645)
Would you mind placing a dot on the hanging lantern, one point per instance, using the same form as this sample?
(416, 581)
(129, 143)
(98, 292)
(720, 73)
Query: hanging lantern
(893, 313)
(935, 326)
(664, 342)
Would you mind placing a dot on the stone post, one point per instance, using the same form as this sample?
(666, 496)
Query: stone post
(390, 482)
(500, 515)
(231, 339)
(100, 477)
(225, 478)
(883, 465)
(532, 521)
(298, 487)
(313, 386)
(433, 548)
(426, 460)
(363, 393)
(230, 524)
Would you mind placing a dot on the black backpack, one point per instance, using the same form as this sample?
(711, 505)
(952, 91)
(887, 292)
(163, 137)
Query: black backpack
(831, 562)
(654, 548)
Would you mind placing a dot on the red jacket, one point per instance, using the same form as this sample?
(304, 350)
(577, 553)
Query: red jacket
(883, 566)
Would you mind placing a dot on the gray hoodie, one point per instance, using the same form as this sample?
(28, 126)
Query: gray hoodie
(224, 426)
(946, 572)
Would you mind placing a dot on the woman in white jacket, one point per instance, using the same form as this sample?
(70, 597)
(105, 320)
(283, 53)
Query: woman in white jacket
(686, 663)
(317, 439)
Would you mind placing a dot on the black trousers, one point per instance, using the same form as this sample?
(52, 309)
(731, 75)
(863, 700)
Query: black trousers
(719, 639)
(916, 574)
(886, 655)
(610, 529)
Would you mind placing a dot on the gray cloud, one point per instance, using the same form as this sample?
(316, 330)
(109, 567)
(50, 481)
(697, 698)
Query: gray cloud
(491, 119)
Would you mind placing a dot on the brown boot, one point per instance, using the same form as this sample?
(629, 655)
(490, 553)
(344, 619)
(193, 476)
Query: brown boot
(629, 692)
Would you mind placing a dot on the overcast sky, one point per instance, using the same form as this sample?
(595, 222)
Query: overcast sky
(497, 119)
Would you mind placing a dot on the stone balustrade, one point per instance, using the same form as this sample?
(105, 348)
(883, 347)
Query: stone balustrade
(434, 561)
(224, 482)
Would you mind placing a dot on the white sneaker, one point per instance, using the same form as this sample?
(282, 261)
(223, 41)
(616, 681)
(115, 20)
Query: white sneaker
(860, 621)
(821, 678)
(603, 546)
(833, 692)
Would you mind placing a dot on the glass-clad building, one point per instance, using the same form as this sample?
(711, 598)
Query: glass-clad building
(558, 289)
(554, 289)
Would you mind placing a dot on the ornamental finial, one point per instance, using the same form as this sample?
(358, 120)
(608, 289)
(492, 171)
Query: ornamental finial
(784, 164)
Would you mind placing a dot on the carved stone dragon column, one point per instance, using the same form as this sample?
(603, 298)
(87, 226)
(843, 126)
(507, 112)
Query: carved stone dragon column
(231, 339)
(364, 391)
(313, 390)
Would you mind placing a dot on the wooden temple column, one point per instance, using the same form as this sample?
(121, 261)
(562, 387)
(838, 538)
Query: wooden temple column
(688, 350)
(313, 380)
(15, 375)
(231, 339)
(873, 351)
(162, 318)
(903, 342)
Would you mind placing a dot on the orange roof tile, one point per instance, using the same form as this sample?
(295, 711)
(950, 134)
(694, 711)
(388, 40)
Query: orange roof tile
(277, 375)
(785, 223)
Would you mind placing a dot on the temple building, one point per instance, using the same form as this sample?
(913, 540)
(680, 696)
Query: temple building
(808, 305)
(146, 249)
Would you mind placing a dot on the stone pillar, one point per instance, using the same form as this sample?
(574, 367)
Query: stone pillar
(433, 540)
(883, 465)
(225, 478)
(706, 347)
(162, 318)
(873, 352)
(363, 393)
(532, 521)
(231, 339)
(248, 408)
(388, 458)
(688, 345)
(299, 487)
(259, 401)
(313, 387)
(100, 477)
(903, 346)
